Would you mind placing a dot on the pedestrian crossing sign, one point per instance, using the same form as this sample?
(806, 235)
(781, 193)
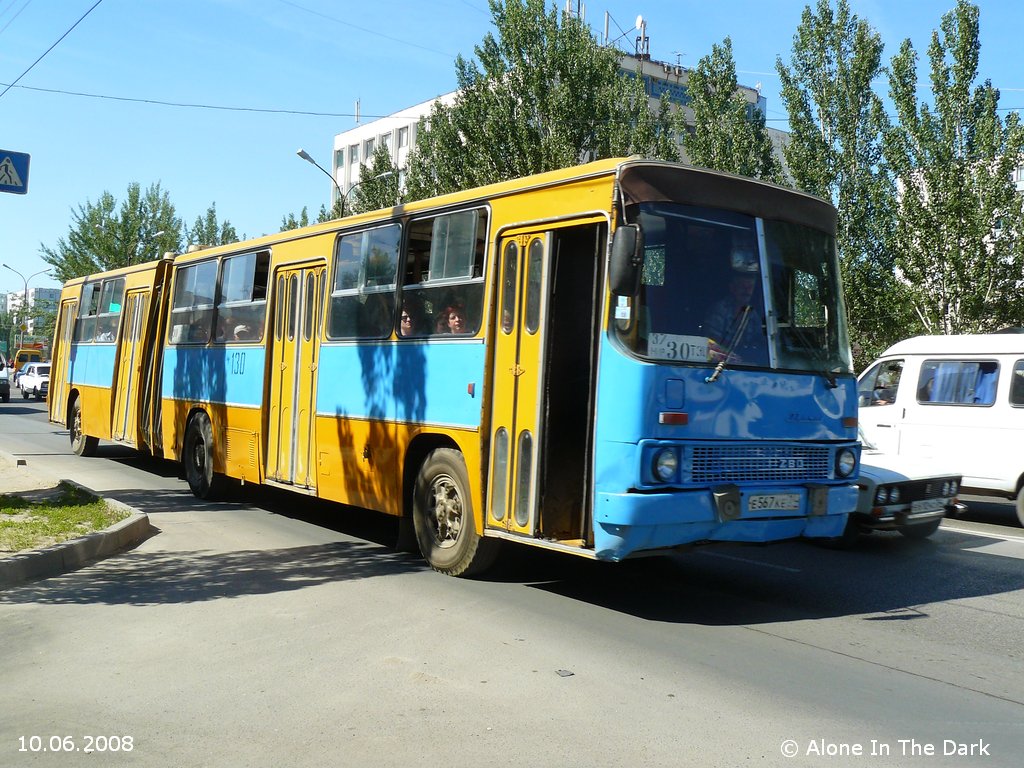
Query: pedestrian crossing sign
(13, 172)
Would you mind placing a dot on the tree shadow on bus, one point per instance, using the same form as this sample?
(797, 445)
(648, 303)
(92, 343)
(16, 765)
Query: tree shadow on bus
(162, 578)
(887, 578)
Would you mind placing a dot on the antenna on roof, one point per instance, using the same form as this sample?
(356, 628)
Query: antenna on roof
(643, 43)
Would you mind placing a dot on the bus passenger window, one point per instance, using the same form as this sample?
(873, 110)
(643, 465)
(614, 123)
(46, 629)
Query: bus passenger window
(362, 303)
(444, 268)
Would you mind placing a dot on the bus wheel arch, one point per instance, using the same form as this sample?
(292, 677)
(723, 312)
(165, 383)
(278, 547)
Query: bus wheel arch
(81, 445)
(443, 515)
(197, 452)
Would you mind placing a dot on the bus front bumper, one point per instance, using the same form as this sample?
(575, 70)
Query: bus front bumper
(629, 523)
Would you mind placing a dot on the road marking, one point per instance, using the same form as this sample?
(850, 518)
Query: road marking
(749, 561)
(948, 526)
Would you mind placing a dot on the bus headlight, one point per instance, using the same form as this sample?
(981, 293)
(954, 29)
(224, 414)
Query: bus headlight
(666, 463)
(846, 462)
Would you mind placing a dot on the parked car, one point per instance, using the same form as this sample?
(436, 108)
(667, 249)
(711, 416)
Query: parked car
(35, 380)
(5, 381)
(900, 493)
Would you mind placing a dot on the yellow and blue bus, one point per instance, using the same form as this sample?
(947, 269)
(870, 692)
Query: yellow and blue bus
(621, 358)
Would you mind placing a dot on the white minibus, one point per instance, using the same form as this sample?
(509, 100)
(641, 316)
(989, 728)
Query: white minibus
(956, 399)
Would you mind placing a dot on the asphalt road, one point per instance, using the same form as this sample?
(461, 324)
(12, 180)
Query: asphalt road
(272, 630)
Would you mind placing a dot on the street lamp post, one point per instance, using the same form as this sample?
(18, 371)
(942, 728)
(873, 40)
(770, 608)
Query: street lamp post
(362, 181)
(305, 156)
(24, 301)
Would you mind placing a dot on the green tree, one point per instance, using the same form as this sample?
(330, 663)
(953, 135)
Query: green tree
(106, 236)
(541, 95)
(290, 222)
(729, 134)
(835, 151)
(960, 235)
(378, 184)
(207, 231)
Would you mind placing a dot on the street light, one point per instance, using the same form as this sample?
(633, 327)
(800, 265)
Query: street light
(142, 242)
(24, 301)
(362, 181)
(305, 156)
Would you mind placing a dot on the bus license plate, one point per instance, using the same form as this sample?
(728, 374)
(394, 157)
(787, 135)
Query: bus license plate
(778, 501)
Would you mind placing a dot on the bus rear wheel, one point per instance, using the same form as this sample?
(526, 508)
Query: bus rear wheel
(82, 445)
(443, 517)
(197, 456)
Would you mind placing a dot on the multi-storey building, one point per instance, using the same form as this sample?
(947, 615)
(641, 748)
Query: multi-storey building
(354, 148)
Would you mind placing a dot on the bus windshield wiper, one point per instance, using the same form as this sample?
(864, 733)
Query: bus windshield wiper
(741, 326)
(817, 355)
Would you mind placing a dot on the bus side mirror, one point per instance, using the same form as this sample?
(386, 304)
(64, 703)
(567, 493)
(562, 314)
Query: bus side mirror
(626, 261)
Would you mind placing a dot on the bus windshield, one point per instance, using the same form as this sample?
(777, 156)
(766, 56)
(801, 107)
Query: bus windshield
(722, 285)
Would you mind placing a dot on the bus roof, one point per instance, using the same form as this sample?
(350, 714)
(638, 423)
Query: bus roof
(961, 344)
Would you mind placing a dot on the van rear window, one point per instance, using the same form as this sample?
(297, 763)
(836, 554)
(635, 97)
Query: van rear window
(958, 382)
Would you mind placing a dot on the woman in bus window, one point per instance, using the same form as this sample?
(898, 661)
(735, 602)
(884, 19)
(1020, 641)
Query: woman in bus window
(452, 320)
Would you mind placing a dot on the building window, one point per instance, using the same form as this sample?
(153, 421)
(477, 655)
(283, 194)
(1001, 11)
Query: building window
(368, 149)
(339, 158)
(403, 137)
(385, 141)
(353, 155)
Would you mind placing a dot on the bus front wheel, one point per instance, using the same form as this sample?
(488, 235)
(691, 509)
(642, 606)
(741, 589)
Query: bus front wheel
(443, 517)
(197, 455)
(82, 445)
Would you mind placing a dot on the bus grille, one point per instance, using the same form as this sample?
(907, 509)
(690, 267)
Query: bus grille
(759, 463)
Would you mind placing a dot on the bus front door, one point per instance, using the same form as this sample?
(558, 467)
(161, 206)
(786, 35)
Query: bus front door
(517, 405)
(291, 441)
(127, 383)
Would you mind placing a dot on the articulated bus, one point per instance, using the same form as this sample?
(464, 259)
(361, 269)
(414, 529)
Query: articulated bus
(551, 360)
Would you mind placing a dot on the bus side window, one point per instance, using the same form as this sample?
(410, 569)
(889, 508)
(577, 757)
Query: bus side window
(365, 275)
(444, 266)
(242, 303)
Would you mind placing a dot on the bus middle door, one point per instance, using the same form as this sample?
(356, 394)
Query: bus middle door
(517, 404)
(127, 382)
(296, 347)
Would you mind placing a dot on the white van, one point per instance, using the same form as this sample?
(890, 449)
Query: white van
(956, 399)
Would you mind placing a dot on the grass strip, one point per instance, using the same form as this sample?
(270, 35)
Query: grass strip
(65, 512)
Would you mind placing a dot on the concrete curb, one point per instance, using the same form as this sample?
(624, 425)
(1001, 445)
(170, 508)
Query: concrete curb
(74, 553)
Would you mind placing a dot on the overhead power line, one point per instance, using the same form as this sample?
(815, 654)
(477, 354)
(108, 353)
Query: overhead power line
(188, 105)
(5, 90)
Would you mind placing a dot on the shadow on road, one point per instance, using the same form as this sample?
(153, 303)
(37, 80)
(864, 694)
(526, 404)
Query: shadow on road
(160, 578)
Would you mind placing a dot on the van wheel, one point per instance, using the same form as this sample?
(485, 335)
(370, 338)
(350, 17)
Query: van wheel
(81, 444)
(920, 531)
(197, 456)
(443, 517)
(1020, 506)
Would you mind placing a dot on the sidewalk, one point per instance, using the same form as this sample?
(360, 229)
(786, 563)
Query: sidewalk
(18, 478)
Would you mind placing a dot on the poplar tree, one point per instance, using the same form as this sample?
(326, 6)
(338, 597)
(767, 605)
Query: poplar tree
(540, 95)
(835, 151)
(104, 235)
(729, 133)
(208, 231)
(959, 242)
(378, 185)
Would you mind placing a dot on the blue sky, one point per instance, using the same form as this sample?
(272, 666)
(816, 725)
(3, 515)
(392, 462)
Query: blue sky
(314, 56)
